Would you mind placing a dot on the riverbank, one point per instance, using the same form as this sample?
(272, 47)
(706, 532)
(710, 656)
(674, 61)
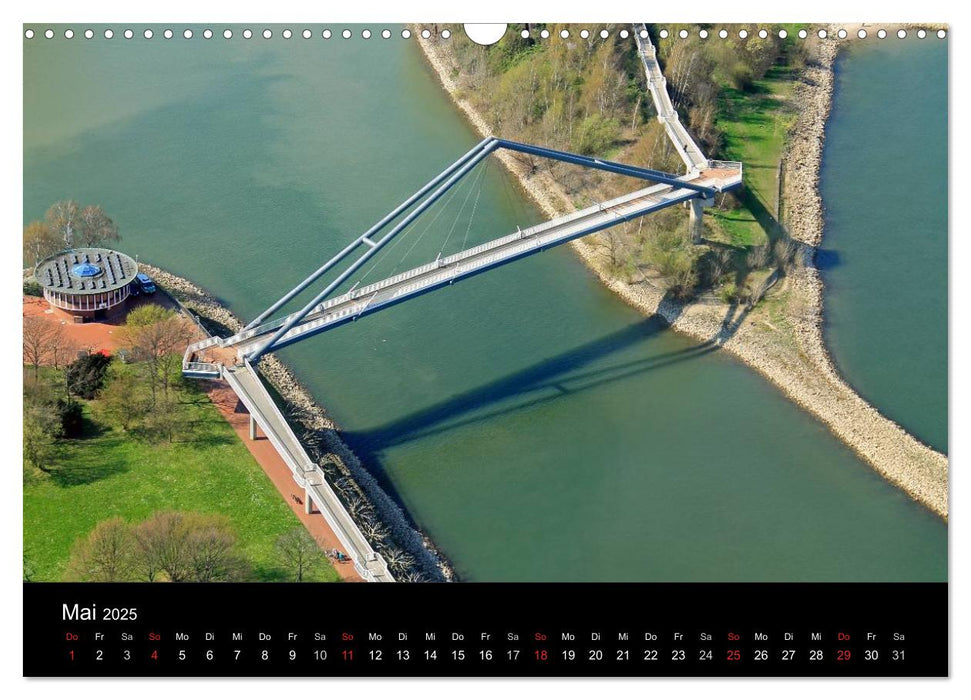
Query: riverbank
(782, 337)
(410, 554)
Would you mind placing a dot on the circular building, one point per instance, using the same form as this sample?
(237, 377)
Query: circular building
(88, 283)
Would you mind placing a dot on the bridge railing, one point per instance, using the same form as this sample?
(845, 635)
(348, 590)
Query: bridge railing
(204, 368)
(300, 464)
(726, 164)
(507, 247)
(322, 314)
(685, 145)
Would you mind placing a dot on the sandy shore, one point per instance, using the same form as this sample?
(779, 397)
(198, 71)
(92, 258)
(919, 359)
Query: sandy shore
(793, 358)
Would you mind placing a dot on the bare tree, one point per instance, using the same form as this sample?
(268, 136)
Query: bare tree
(78, 227)
(63, 219)
(300, 554)
(157, 337)
(758, 257)
(64, 350)
(785, 250)
(188, 547)
(107, 554)
(161, 547)
(96, 228)
(40, 241)
(720, 263)
(39, 334)
(211, 550)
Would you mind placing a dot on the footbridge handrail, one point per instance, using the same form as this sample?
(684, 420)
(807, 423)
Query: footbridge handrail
(307, 474)
(693, 157)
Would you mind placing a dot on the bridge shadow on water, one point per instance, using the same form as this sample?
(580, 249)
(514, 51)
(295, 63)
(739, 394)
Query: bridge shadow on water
(567, 374)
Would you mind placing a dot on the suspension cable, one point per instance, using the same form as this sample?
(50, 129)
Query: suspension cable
(441, 206)
(475, 204)
(477, 186)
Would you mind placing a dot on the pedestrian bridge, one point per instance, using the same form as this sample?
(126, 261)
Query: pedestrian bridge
(235, 357)
(328, 310)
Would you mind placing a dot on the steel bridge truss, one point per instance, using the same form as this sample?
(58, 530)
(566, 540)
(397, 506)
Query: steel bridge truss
(324, 312)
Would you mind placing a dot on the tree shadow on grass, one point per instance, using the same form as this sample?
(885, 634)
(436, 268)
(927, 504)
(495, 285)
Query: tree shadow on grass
(266, 573)
(89, 463)
(91, 430)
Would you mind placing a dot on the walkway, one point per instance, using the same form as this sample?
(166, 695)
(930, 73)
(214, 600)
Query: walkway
(686, 147)
(225, 399)
(366, 300)
(306, 473)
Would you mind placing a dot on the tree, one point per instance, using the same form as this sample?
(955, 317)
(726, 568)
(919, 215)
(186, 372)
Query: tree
(188, 547)
(165, 419)
(123, 397)
(63, 349)
(39, 335)
(80, 227)
(157, 337)
(40, 241)
(211, 550)
(45, 342)
(63, 219)
(96, 228)
(107, 554)
(86, 375)
(161, 547)
(39, 445)
(70, 414)
(299, 553)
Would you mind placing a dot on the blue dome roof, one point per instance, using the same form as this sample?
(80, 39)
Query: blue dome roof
(86, 270)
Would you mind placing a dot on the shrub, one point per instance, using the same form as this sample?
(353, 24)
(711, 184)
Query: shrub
(32, 289)
(71, 416)
(86, 375)
(596, 135)
(728, 293)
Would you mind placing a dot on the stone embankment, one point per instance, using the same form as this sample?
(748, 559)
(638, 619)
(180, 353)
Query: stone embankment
(410, 554)
(791, 353)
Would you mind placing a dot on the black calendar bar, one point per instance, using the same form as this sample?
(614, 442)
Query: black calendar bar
(473, 629)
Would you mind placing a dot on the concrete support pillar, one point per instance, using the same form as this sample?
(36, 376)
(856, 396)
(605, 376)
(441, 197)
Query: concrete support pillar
(252, 427)
(308, 502)
(695, 219)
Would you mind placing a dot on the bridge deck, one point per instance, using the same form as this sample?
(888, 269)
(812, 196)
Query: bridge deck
(686, 147)
(250, 390)
(366, 300)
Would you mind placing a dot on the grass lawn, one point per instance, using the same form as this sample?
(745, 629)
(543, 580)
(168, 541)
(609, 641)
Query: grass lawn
(755, 124)
(109, 472)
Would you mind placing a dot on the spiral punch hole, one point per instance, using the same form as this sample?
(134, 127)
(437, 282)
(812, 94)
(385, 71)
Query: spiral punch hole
(488, 34)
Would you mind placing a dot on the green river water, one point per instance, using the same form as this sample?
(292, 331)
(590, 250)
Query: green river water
(884, 181)
(532, 424)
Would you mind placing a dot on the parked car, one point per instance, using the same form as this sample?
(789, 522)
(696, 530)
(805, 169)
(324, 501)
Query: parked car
(134, 289)
(145, 283)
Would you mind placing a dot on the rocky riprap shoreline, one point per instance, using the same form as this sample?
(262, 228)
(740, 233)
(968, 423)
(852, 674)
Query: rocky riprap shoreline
(410, 554)
(795, 359)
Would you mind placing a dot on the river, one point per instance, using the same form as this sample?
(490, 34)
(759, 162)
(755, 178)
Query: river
(884, 182)
(533, 425)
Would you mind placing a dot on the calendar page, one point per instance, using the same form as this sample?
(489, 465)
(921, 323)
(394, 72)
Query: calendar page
(616, 349)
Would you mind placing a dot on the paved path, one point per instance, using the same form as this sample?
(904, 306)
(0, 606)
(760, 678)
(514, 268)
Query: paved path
(308, 476)
(276, 469)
